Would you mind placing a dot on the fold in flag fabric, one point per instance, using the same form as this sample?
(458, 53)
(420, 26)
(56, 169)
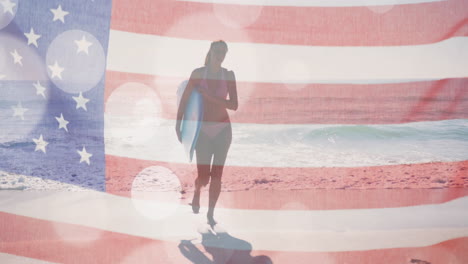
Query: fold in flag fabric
(349, 143)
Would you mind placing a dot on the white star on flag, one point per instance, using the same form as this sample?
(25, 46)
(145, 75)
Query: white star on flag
(19, 110)
(59, 14)
(83, 45)
(39, 89)
(56, 70)
(62, 122)
(8, 6)
(16, 57)
(84, 156)
(32, 37)
(81, 101)
(40, 144)
(2, 76)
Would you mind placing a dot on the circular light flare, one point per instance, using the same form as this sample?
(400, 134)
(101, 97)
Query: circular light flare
(82, 71)
(156, 193)
(237, 16)
(6, 16)
(133, 114)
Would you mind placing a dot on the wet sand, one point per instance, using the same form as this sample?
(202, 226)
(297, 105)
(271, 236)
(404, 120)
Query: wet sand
(312, 188)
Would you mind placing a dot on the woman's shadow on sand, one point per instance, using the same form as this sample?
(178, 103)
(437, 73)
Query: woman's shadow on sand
(224, 249)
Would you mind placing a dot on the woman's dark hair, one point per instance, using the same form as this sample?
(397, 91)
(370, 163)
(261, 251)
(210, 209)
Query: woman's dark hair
(213, 45)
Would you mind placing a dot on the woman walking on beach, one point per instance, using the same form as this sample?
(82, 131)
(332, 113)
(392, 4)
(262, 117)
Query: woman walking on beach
(215, 84)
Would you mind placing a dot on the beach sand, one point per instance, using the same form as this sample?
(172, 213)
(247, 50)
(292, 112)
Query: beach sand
(311, 188)
(434, 175)
(280, 188)
(248, 188)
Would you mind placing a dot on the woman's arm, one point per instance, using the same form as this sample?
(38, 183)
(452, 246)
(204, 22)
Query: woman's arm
(232, 103)
(232, 90)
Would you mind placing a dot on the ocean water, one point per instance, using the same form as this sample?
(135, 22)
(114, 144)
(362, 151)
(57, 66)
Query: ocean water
(301, 145)
(353, 145)
(61, 161)
(307, 145)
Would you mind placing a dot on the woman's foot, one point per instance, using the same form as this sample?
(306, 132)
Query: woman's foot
(195, 208)
(211, 220)
(196, 202)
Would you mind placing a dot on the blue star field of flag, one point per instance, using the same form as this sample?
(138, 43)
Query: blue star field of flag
(52, 75)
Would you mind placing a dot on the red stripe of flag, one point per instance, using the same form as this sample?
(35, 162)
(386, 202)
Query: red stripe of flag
(35, 238)
(275, 103)
(408, 24)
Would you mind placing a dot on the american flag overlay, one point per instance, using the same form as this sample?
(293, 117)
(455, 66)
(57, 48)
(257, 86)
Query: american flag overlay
(349, 143)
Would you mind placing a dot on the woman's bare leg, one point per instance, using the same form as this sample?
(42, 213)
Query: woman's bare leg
(204, 155)
(222, 144)
(215, 190)
(196, 199)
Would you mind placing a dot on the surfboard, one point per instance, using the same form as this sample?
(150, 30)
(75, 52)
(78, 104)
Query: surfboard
(193, 117)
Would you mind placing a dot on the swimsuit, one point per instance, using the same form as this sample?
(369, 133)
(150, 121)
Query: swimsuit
(210, 128)
(215, 138)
